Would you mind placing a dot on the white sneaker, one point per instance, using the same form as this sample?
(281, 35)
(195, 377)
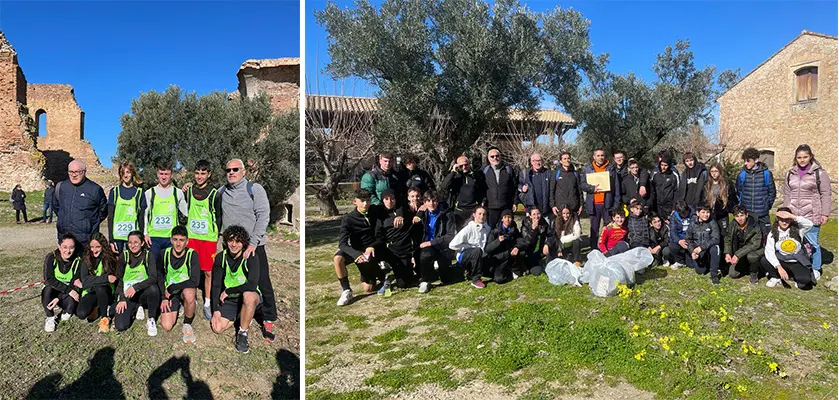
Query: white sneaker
(515, 276)
(666, 264)
(436, 265)
(141, 315)
(49, 324)
(346, 297)
(151, 327)
(65, 316)
(424, 287)
(676, 266)
(818, 274)
(772, 282)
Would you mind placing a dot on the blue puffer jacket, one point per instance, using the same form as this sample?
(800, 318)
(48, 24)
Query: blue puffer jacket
(756, 189)
(537, 181)
(80, 208)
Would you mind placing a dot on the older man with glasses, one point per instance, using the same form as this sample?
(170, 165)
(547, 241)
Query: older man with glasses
(79, 204)
(246, 204)
(502, 186)
(535, 186)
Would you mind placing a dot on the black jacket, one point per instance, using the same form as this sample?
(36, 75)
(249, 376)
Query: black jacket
(49, 273)
(501, 193)
(538, 189)
(692, 184)
(402, 240)
(444, 229)
(358, 232)
(703, 235)
(80, 208)
(638, 231)
(565, 189)
(630, 187)
(417, 178)
(530, 238)
(741, 242)
(464, 191)
(511, 237)
(151, 272)
(663, 192)
(660, 237)
(251, 272)
(18, 199)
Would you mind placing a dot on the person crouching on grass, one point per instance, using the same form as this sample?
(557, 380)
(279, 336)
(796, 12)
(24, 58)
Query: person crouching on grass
(703, 240)
(469, 243)
(612, 238)
(357, 245)
(660, 240)
(61, 281)
(438, 229)
(502, 248)
(235, 292)
(565, 241)
(98, 275)
(742, 245)
(180, 275)
(784, 256)
(535, 233)
(137, 285)
(393, 232)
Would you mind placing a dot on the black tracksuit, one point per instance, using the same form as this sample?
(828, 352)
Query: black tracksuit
(398, 244)
(664, 188)
(706, 236)
(464, 192)
(146, 293)
(99, 290)
(630, 185)
(416, 178)
(565, 189)
(501, 261)
(232, 304)
(175, 289)
(661, 238)
(358, 232)
(531, 243)
(53, 288)
(638, 231)
(692, 185)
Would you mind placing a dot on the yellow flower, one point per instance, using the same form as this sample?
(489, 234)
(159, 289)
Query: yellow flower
(745, 349)
(741, 388)
(795, 353)
(740, 300)
(773, 366)
(727, 343)
(727, 386)
(826, 325)
(635, 327)
(714, 292)
(663, 315)
(640, 356)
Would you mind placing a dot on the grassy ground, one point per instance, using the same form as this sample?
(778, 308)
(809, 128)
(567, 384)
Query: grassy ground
(77, 362)
(674, 336)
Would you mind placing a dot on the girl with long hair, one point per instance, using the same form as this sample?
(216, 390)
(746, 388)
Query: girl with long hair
(98, 275)
(720, 195)
(565, 242)
(124, 207)
(62, 286)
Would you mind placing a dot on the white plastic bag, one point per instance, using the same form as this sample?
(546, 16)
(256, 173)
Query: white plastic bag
(563, 272)
(604, 274)
(633, 261)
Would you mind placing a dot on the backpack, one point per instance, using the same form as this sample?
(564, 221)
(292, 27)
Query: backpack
(558, 171)
(220, 192)
(741, 180)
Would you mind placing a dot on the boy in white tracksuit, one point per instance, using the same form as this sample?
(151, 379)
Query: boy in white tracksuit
(469, 243)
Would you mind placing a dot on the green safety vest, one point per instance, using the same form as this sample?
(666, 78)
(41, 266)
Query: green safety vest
(233, 279)
(201, 219)
(99, 271)
(125, 214)
(65, 277)
(133, 276)
(164, 214)
(176, 275)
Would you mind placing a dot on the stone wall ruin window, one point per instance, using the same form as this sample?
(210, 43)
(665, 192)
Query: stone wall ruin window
(41, 123)
(767, 158)
(806, 83)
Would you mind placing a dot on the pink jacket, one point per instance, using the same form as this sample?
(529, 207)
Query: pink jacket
(802, 196)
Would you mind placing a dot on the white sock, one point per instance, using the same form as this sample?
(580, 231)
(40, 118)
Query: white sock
(206, 302)
(245, 331)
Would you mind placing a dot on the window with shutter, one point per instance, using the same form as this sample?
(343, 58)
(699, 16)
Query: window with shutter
(806, 83)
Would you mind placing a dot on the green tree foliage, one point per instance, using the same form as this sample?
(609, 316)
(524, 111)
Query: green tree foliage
(182, 128)
(624, 112)
(449, 71)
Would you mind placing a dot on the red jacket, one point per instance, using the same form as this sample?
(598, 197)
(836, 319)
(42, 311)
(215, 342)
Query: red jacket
(611, 235)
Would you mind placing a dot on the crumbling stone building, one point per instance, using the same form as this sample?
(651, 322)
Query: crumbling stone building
(788, 100)
(26, 158)
(279, 78)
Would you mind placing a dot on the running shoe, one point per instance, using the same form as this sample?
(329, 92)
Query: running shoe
(479, 284)
(49, 324)
(242, 342)
(141, 315)
(151, 327)
(65, 316)
(818, 274)
(268, 332)
(676, 266)
(189, 334)
(103, 324)
(753, 279)
(424, 287)
(385, 289)
(773, 282)
(181, 311)
(208, 314)
(346, 297)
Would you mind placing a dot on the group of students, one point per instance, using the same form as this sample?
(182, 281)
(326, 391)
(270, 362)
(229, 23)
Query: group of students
(159, 248)
(682, 219)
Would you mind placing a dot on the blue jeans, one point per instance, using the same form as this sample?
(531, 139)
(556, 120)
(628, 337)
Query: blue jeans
(813, 237)
(47, 206)
(158, 245)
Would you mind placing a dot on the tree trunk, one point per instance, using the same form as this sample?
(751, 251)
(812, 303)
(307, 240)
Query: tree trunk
(326, 196)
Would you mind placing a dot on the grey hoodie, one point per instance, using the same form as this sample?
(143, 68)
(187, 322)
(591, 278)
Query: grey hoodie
(237, 208)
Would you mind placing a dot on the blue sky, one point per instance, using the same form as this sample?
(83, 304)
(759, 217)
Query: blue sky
(111, 52)
(725, 34)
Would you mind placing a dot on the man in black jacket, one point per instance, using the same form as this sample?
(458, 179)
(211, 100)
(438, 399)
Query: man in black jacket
(535, 186)
(464, 189)
(565, 187)
(79, 203)
(634, 184)
(743, 246)
(664, 185)
(703, 238)
(395, 232)
(357, 245)
(438, 229)
(502, 185)
(621, 164)
(501, 247)
(692, 182)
